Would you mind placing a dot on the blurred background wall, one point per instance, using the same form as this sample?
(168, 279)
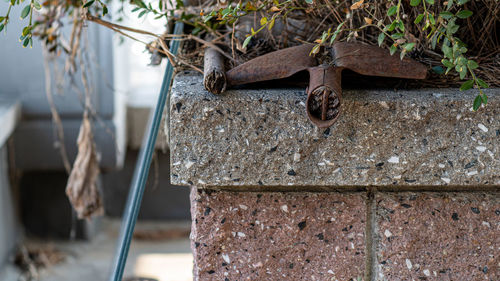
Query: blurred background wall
(123, 90)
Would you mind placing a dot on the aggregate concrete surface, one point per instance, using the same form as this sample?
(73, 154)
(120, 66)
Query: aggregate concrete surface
(438, 236)
(252, 138)
(278, 236)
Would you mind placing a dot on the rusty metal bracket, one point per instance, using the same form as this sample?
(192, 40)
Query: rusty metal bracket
(324, 93)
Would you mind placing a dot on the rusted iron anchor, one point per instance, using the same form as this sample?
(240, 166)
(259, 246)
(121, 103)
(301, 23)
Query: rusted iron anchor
(324, 93)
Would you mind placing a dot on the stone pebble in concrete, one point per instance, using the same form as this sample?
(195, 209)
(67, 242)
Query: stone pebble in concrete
(278, 236)
(438, 236)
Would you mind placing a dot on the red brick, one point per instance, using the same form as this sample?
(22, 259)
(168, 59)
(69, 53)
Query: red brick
(253, 236)
(438, 236)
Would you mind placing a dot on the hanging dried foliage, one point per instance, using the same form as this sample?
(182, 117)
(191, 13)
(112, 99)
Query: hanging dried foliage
(82, 189)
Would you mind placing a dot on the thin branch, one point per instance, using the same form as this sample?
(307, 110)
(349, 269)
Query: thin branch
(56, 118)
(164, 48)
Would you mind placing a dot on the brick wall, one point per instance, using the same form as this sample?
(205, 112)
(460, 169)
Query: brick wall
(436, 236)
(346, 235)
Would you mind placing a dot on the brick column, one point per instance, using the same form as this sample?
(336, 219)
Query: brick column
(437, 236)
(404, 187)
(278, 235)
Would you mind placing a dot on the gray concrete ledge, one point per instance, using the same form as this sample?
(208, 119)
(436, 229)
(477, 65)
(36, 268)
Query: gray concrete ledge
(9, 227)
(251, 138)
(10, 113)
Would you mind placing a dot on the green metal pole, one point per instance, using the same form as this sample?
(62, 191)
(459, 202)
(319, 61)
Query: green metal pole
(142, 170)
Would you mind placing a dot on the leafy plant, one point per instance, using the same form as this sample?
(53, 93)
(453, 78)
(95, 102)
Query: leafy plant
(26, 35)
(441, 30)
(435, 33)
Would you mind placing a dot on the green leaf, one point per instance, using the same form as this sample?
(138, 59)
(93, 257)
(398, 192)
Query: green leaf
(337, 31)
(393, 49)
(263, 21)
(431, 19)
(397, 36)
(401, 26)
(402, 54)
(324, 36)
(392, 11)
(334, 36)
(226, 11)
(463, 72)
(467, 85)
(472, 64)
(381, 38)
(26, 42)
(25, 12)
(447, 51)
(339, 26)
(450, 4)
(477, 103)
(26, 30)
(271, 24)
(196, 30)
(446, 41)
(482, 83)
(446, 15)
(464, 14)
(438, 69)
(105, 10)
(434, 40)
(462, 60)
(461, 2)
(450, 25)
(315, 50)
(392, 26)
(419, 18)
(207, 18)
(484, 98)
(1, 26)
(309, 1)
(88, 4)
(142, 13)
(452, 28)
(1, 19)
(408, 47)
(430, 1)
(247, 40)
(141, 4)
(179, 4)
(37, 5)
(447, 63)
(456, 49)
(414, 3)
